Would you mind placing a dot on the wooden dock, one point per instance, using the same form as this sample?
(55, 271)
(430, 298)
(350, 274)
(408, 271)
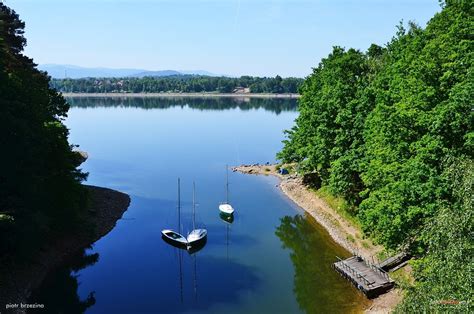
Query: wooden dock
(367, 277)
(395, 262)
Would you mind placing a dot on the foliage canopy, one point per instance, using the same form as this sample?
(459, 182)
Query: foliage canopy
(379, 128)
(179, 84)
(39, 183)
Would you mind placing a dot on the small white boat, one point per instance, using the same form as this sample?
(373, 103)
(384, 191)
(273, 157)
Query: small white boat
(226, 207)
(171, 236)
(196, 236)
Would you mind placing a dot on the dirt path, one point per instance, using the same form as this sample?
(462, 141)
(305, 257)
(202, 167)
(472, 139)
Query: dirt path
(340, 229)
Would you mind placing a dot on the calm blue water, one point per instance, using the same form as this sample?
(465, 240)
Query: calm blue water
(261, 263)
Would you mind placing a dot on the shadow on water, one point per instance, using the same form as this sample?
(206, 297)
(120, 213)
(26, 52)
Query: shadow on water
(140, 273)
(275, 105)
(193, 283)
(318, 288)
(238, 240)
(59, 291)
(203, 281)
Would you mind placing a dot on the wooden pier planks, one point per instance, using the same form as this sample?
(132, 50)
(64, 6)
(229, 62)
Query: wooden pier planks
(368, 278)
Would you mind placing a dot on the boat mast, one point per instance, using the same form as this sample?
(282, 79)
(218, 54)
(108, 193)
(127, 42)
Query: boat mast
(227, 183)
(179, 207)
(194, 206)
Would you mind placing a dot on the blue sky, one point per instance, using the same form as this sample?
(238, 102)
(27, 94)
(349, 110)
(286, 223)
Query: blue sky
(233, 37)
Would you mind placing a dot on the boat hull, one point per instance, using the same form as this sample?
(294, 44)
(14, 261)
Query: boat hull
(228, 218)
(197, 246)
(174, 238)
(226, 209)
(196, 236)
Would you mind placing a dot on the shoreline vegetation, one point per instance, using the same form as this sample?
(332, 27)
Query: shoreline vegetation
(388, 133)
(46, 213)
(191, 95)
(180, 84)
(105, 208)
(342, 231)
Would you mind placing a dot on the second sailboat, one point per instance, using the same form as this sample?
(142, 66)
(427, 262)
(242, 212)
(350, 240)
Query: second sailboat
(226, 208)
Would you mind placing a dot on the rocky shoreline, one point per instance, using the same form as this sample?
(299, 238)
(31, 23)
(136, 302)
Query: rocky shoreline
(342, 231)
(105, 208)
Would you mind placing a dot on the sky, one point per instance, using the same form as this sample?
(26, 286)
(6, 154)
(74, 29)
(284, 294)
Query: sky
(231, 37)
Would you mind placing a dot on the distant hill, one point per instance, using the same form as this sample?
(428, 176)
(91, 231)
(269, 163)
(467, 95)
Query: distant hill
(202, 72)
(61, 71)
(156, 73)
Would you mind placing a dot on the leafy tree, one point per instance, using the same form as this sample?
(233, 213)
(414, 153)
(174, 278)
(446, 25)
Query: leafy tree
(376, 128)
(445, 275)
(423, 112)
(39, 182)
(178, 83)
(328, 136)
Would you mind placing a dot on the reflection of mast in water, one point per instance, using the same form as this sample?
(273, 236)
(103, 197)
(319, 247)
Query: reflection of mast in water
(227, 239)
(180, 257)
(192, 252)
(228, 219)
(195, 277)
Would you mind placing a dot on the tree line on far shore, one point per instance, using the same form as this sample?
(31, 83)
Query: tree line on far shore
(390, 130)
(179, 84)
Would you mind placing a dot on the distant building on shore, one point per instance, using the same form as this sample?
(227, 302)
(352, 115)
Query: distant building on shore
(241, 90)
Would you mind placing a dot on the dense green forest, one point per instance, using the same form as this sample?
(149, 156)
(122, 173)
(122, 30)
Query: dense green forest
(40, 191)
(391, 131)
(178, 84)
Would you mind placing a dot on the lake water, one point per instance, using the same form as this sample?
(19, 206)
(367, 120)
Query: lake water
(271, 259)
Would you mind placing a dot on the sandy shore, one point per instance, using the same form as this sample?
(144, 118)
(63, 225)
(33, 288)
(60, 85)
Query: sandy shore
(340, 229)
(203, 95)
(106, 207)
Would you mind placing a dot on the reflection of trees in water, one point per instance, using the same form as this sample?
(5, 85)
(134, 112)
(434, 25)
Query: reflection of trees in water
(275, 105)
(59, 292)
(318, 288)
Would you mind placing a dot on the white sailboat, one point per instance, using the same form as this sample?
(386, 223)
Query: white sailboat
(171, 236)
(196, 236)
(226, 208)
